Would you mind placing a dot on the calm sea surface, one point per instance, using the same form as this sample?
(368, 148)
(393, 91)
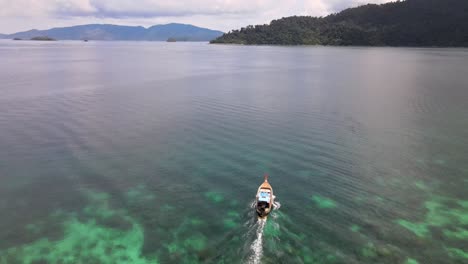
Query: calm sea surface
(147, 152)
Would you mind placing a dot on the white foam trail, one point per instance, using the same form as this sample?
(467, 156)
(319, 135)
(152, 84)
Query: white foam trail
(276, 205)
(257, 245)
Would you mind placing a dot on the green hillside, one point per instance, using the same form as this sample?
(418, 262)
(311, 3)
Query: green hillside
(405, 23)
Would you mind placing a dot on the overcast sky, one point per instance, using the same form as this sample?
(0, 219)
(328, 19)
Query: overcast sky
(19, 15)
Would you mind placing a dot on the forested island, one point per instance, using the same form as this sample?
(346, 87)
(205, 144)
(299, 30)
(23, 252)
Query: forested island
(43, 38)
(402, 23)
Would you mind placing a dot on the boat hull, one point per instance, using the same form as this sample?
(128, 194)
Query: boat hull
(264, 200)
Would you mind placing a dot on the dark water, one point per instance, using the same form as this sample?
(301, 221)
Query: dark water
(121, 152)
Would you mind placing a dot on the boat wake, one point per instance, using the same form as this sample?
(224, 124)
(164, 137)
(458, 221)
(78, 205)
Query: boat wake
(257, 245)
(276, 205)
(256, 248)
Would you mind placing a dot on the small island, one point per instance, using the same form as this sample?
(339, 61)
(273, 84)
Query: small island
(43, 38)
(17, 39)
(171, 40)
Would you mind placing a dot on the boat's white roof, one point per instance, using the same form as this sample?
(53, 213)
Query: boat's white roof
(264, 196)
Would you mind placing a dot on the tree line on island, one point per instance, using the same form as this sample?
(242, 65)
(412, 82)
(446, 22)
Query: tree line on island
(402, 23)
(39, 38)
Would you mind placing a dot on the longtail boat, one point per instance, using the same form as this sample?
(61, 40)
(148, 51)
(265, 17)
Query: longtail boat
(264, 199)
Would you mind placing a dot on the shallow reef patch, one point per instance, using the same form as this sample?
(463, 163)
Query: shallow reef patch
(457, 253)
(323, 202)
(86, 240)
(215, 197)
(411, 261)
(440, 212)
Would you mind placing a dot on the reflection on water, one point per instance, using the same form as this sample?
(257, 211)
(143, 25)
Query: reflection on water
(123, 152)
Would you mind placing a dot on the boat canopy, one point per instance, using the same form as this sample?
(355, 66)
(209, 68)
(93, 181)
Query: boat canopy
(264, 197)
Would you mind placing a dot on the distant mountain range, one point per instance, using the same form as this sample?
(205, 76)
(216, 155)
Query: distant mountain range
(179, 32)
(399, 23)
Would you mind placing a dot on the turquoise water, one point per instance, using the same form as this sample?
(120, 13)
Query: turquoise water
(140, 152)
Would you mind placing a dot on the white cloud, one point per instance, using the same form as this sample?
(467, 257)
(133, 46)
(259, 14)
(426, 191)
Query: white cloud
(155, 8)
(18, 15)
(72, 7)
